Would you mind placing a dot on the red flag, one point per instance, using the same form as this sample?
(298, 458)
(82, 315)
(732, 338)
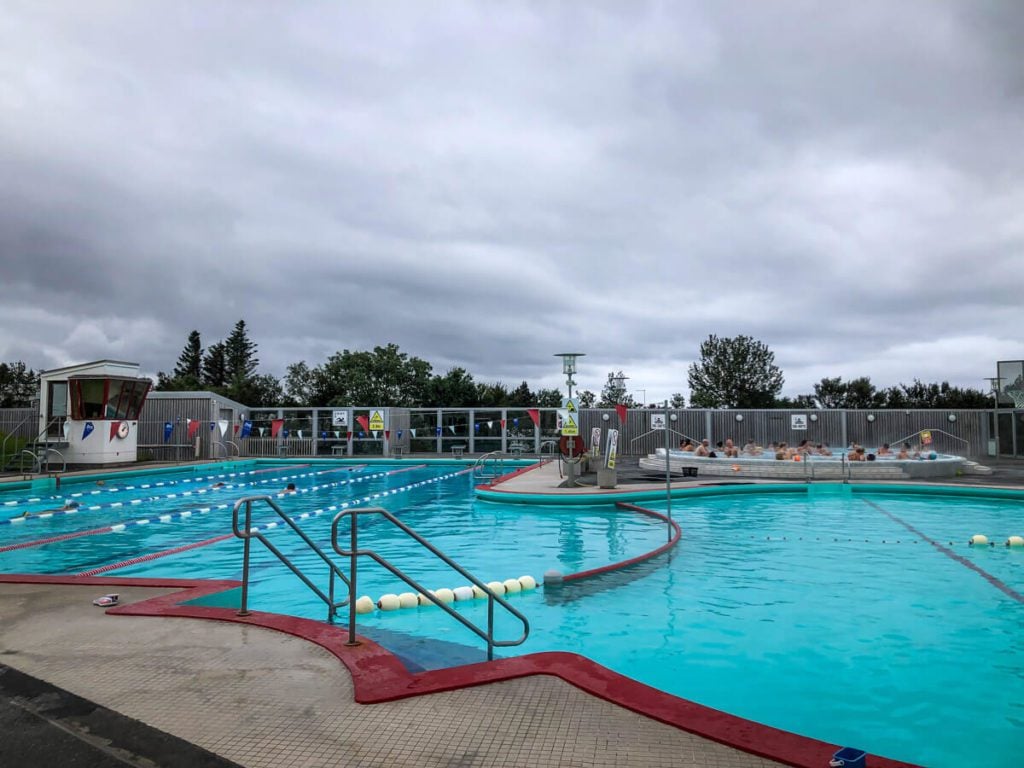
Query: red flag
(113, 428)
(237, 427)
(348, 435)
(364, 423)
(387, 434)
(534, 415)
(275, 426)
(622, 411)
(502, 423)
(193, 427)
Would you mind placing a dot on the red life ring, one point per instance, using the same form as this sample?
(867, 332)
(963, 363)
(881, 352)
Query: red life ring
(578, 449)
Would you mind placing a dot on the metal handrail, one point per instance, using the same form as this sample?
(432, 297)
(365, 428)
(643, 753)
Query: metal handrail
(214, 450)
(238, 451)
(480, 466)
(930, 429)
(37, 467)
(354, 551)
(249, 533)
(8, 436)
(45, 459)
(553, 445)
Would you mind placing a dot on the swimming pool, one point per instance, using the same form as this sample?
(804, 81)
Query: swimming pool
(852, 614)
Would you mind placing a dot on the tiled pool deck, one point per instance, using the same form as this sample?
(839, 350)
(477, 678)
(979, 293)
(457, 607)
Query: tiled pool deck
(262, 697)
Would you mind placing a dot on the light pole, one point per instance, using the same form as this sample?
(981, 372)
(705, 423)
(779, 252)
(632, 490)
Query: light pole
(994, 381)
(569, 369)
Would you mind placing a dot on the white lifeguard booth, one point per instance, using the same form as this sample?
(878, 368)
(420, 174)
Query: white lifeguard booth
(90, 412)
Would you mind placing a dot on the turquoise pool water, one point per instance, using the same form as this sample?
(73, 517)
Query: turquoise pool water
(822, 613)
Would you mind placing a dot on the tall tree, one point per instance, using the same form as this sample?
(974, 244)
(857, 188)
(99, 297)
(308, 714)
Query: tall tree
(19, 385)
(521, 396)
(456, 389)
(735, 372)
(587, 399)
(548, 398)
(215, 367)
(855, 393)
(492, 395)
(614, 392)
(384, 377)
(190, 362)
(240, 355)
(677, 401)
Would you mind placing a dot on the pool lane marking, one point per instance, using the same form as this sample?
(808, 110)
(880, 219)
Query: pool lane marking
(154, 555)
(203, 510)
(134, 502)
(993, 580)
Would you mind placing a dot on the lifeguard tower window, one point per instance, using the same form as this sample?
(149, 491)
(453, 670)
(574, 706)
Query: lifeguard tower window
(107, 398)
(56, 408)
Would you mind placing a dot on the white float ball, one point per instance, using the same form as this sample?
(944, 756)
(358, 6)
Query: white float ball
(365, 604)
(463, 593)
(388, 602)
(408, 600)
(512, 586)
(424, 600)
(1015, 541)
(527, 582)
(496, 587)
(445, 595)
(478, 593)
(979, 540)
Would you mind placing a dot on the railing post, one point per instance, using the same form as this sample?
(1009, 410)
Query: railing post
(490, 628)
(352, 583)
(244, 607)
(330, 609)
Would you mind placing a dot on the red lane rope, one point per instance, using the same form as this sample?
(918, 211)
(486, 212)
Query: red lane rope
(154, 555)
(52, 539)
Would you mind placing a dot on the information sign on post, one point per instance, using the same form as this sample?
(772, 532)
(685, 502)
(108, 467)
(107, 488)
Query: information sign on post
(377, 420)
(798, 421)
(339, 418)
(595, 441)
(612, 450)
(657, 421)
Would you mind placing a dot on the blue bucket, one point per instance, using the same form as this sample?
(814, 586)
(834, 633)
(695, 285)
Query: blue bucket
(848, 757)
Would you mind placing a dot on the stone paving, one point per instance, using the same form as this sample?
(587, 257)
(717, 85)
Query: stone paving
(266, 699)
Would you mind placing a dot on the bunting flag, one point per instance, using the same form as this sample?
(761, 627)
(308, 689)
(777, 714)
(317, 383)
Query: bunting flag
(438, 431)
(399, 434)
(87, 429)
(411, 432)
(323, 434)
(534, 415)
(275, 426)
(490, 424)
(66, 428)
(263, 431)
(213, 425)
(364, 423)
(284, 433)
(622, 411)
(337, 435)
(452, 428)
(503, 422)
(515, 422)
(348, 435)
(247, 428)
(476, 427)
(222, 425)
(168, 430)
(193, 427)
(298, 433)
(362, 435)
(113, 429)
(387, 434)
(237, 427)
(374, 433)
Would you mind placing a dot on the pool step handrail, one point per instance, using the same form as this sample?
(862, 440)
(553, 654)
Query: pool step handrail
(480, 466)
(248, 533)
(353, 552)
(929, 429)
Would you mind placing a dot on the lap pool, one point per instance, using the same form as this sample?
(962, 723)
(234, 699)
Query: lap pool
(853, 614)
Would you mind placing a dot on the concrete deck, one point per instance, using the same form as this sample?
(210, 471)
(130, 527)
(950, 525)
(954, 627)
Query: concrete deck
(265, 699)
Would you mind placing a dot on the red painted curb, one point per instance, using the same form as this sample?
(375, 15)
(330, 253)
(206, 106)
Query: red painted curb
(509, 476)
(378, 676)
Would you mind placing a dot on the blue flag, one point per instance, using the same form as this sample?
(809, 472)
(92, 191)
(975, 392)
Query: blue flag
(87, 429)
(168, 429)
(246, 428)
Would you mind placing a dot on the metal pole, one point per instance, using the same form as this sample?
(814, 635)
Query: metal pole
(352, 585)
(994, 380)
(668, 476)
(490, 628)
(243, 609)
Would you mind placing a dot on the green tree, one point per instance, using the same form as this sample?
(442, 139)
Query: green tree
(19, 385)
(190, 361)
(944, 395)
(548, 398)
(240, 361)
(456, 389)
(259, 391)
(494, 395)
(384, 377)
(855, 393)
(735, 372)
(677, 401)
(521, 396)
(614, 392)
(215, 367)
(802, 402)
(298, 384)
(587, 399)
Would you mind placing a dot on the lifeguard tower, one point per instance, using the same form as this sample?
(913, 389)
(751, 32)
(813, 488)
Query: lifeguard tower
(90, 412)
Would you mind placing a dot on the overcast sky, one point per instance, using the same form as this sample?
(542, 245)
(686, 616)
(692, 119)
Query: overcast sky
(487, 184)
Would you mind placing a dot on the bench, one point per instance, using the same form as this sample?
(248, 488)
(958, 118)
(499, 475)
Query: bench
(339, 449)
(458, 451)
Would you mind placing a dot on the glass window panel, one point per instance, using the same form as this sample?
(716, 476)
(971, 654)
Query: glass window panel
(113, 399)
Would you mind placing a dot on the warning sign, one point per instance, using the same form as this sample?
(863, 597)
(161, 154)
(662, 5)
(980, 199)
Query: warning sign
(376, 421)
(612, 451)
(339, 418)
(798, 421)
(572, 405)
(657, 421)
(570, 423)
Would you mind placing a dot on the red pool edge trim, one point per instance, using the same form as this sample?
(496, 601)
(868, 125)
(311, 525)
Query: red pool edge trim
(155, 555)
(509, 476)
(378, 676)
(677, 534)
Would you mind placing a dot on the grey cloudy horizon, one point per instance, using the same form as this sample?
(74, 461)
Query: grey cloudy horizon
(487, 185)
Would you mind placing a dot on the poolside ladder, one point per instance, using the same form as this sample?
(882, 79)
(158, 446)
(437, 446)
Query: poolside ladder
(353, 552)
(247, 533)
(489, 466)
